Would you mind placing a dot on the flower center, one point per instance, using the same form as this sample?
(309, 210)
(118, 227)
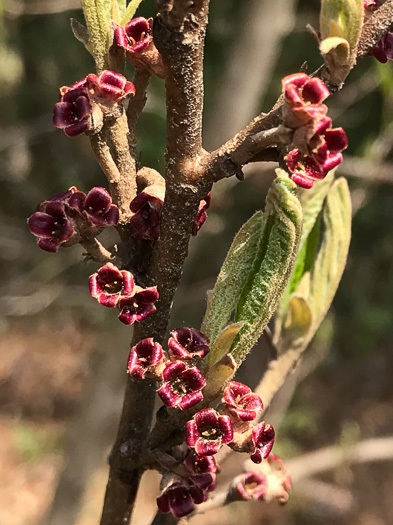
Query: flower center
(211, 434)
(179, 386)
(113, 287)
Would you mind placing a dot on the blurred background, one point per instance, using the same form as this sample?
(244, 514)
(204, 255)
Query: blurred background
(62, 362)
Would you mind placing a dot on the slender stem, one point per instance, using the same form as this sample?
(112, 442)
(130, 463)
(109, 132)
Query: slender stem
(96, 251)
(182, 53)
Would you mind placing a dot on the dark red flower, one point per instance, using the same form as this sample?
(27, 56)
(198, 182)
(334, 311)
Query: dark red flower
(252, 485)
(138, 306)
(263, 441)
(241, 401)
(51, 226)
(180, 498)
(99, 208)
(201, 215)
(136, 37)
(305, 170)
(182, 385)
(303, 99)
(187, 343)
(109, 284)
(208, 431)
(74, 112)
(109, 85)
(146, 357)
(146, 217)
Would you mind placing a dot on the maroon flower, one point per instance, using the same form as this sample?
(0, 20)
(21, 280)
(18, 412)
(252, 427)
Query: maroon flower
(263, 440)
(201, 215)
(109, 85)
(146, 357)
(99, 208)
(180, 498)
(138, 306)
(241, 401)
(383, 51)
(74, 112)
(305, 170)
(109, 284)
(208, 431)
(182, 385)
(303, 99)
(252, 485)
(136, 37)
(196, 464)
(146, 219)
(51, 226)
(187, 343)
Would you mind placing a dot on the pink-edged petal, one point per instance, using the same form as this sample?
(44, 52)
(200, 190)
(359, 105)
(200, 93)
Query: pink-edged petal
(173, 369)
(168, 396)
(77, 201)
(332, 161)
(120, 37)
(297, 79)
(63, 115)
(42, 224)
(207, 448)
(194, 378)
(146, 312)
(225, 425)
(128, 282)
(110, 301)
(98, 200)
(315, 91)
(303, 181)
(206, 418)
(126, 316)
(48, 245)
(192, 433)
(189, 400)
(77, 128)
(336, 140)
(111, 217)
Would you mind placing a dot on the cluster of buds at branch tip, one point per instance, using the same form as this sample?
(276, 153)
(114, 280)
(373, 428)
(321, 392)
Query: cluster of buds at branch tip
(136, 37)
(317, 146)
(271, 481)
(65, 217)
(383, 51)
(116, 288)
(83, 105)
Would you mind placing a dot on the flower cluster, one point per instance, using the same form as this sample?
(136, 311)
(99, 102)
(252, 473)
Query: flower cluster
(317, 146)
(231, 425)
(181, 381)
(113, 287)
(136, 37)
(383, 51)
(83, 105)
(62, 219)
(270, 481)
(181, 495)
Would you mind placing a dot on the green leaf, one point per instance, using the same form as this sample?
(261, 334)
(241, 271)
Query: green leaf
(223, 342)
(122, 7)
(342, 19)
(218, 376)
(312, 202)
(130, 11)
(332, 256)
(223, 299)
(98, 20)
(272, 266)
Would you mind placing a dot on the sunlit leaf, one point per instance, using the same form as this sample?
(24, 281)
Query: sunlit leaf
(223, 342)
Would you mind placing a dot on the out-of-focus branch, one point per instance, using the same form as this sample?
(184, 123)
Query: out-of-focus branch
(40, 7)
(263, 26)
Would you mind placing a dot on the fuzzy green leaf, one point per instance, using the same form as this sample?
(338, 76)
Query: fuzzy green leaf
(223, 299)
(272, 266)
(312, 201)
(122, 7)
(98, 20)
(130, 11)
(332, 256)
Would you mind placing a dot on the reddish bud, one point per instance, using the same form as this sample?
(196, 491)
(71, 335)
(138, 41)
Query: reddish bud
(146, 217)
